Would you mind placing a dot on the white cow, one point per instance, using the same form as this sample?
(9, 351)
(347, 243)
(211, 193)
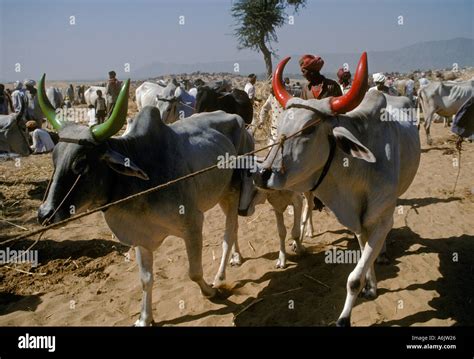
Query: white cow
(54, 96)
(443, 99)
(357, 158)
(171, 99)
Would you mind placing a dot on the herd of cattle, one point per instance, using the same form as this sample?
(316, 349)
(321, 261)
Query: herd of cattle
(342, 150)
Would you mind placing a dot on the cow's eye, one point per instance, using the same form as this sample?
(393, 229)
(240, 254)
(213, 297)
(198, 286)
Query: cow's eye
(80, 166)
(308, 131)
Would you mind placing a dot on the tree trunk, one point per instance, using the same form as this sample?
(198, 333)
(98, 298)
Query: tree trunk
(267, 56)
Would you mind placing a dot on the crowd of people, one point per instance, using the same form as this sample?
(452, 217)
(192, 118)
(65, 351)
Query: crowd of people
(25, 94)
(317, 87)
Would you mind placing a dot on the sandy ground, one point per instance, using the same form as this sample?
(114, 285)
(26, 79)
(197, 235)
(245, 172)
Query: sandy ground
(86, 277)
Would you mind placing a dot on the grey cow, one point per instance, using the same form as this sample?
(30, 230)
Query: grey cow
(382, 153)
(152, 153)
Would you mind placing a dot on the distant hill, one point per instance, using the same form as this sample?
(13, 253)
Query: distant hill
(423, 55)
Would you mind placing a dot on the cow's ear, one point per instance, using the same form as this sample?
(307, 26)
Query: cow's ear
(123, 165)
(351, 145)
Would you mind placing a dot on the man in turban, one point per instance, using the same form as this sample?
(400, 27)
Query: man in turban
(379, 81)
(318, 86)
(18, 95)
(33, 110)
(344, 78)
(42, 141)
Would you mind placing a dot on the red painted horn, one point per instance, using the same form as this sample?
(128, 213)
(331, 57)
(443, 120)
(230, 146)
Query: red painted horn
(277, 82)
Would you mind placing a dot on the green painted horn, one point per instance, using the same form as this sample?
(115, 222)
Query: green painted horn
(117, 118)
(46, 107)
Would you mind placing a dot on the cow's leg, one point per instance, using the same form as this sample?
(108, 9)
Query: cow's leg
(307, 206)
(281, 262)
(193, 242)
(236, 256)
(230, 207)
(357, 278)
(297, 203)
(370, 289)
(308, 216)
(428, 119)
(145, 263)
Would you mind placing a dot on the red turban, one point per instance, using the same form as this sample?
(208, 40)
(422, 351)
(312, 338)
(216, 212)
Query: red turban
(311, 63)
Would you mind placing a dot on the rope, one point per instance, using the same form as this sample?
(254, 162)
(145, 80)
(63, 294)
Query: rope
(62, 202)
(459, 148)
(148, 191)
(123, 200)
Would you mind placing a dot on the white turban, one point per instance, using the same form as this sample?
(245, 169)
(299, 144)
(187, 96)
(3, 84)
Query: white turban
(28, 82)
(18, 85)
(378, 77)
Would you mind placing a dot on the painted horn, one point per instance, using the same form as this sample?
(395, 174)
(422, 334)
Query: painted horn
(277, 82)
(46, 107)
(354, 96)
(117, 119)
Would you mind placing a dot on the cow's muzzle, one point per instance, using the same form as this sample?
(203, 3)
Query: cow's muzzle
(44, 213)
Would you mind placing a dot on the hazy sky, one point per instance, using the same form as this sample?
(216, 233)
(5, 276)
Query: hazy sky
(38, 35)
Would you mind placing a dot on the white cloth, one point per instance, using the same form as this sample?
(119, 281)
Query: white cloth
(193, 92)
(92, 118)
(378, 77)
(250, 89)
(271, 104)
(42, 141)
(410, 86)
(424, 82)
(17, 95)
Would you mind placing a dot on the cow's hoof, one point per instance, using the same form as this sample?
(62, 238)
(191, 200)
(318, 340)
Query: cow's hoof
(218, 282)
(143, 323)
(281, 263)
(382, 259)
(309, 233)
(235, 260)
(298, 248)
(368, 293)
(211, 293)
(343, 322)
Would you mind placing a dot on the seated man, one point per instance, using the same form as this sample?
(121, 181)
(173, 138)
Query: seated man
(42, 142)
